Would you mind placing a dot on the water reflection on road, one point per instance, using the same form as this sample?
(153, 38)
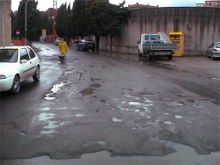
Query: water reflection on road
(185, 155)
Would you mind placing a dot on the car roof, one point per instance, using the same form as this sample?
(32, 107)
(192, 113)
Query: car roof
(14, 47)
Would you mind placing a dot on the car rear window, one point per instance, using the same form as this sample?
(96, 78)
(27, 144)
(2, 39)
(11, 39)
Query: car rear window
(9, 55)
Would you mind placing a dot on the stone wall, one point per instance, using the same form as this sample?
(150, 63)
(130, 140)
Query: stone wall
(200, 26)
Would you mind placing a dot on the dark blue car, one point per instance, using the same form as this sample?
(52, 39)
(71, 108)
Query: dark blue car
(86, 45)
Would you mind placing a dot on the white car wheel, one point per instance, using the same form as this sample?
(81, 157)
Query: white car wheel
(16, 86)
(36, 75)
(212, 56)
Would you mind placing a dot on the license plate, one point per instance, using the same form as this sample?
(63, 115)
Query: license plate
(162, 53)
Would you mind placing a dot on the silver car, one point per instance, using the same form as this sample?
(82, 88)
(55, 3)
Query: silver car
(17, 63)
(213, 50)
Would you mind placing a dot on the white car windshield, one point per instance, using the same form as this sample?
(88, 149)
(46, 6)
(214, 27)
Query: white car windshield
(8, 55)
(218, 45)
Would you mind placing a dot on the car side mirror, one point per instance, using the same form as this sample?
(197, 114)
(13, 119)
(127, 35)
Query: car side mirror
(23, 61)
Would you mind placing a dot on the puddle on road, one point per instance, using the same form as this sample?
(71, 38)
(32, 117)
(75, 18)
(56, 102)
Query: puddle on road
(45, 116)
(135, 103)
(46, 51)
(184, 155)
(215, 78)
(197, 105)
(79, 115)
(168, 123)
(45, 108)
(178, 117)
(131, 104)
(69, 72)
(115, 120)
(174, 103)
(46, 132)
(50, 126)
(55, 89)
(49, 97)
(46, 63)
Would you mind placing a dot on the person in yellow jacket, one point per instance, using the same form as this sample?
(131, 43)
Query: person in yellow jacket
(63, 49)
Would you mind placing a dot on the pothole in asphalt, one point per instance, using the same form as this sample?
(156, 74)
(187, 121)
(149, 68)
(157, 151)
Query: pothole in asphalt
(87, 91)
(90, 90)
(95, 79)
(96, 85)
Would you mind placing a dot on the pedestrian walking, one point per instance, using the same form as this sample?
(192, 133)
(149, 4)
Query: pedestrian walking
(63, 49)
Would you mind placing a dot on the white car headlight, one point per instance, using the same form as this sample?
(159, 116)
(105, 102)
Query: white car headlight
(2, 76)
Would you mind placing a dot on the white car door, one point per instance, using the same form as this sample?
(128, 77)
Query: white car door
(34, 60)
(25, 64)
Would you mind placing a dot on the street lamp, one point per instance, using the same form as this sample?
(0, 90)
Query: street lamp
(25, 24)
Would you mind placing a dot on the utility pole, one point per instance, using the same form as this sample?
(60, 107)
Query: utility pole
(25, 30)
(55, 4)
(54, 15)
(2, 23)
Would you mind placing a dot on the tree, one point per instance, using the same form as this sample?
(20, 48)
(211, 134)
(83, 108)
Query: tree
(79, 18)
(14, 24)
(46, 21)
(105, 19)
(33, 20)
(63, 21)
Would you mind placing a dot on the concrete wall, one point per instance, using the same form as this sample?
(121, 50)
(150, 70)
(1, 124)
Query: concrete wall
(5, 22)
(200, 26)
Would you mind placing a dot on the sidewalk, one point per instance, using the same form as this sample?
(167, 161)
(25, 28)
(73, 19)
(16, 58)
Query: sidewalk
(199, 64)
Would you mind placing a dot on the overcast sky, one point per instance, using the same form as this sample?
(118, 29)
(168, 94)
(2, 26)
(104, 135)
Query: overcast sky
(45, 4)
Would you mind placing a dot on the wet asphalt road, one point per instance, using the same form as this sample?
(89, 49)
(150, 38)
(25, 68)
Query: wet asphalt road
(97, 103)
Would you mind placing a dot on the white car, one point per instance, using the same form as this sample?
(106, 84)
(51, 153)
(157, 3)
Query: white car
(17, 63)
(213, 50)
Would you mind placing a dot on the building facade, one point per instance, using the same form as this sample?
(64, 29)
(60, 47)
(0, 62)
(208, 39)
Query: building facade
(5, 22)
(210, 3)
(200, 26)
(139, 6)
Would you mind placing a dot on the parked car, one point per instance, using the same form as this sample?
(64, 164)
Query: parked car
(154, 45)
(86, 45)
(213, 50)
(17, 63)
